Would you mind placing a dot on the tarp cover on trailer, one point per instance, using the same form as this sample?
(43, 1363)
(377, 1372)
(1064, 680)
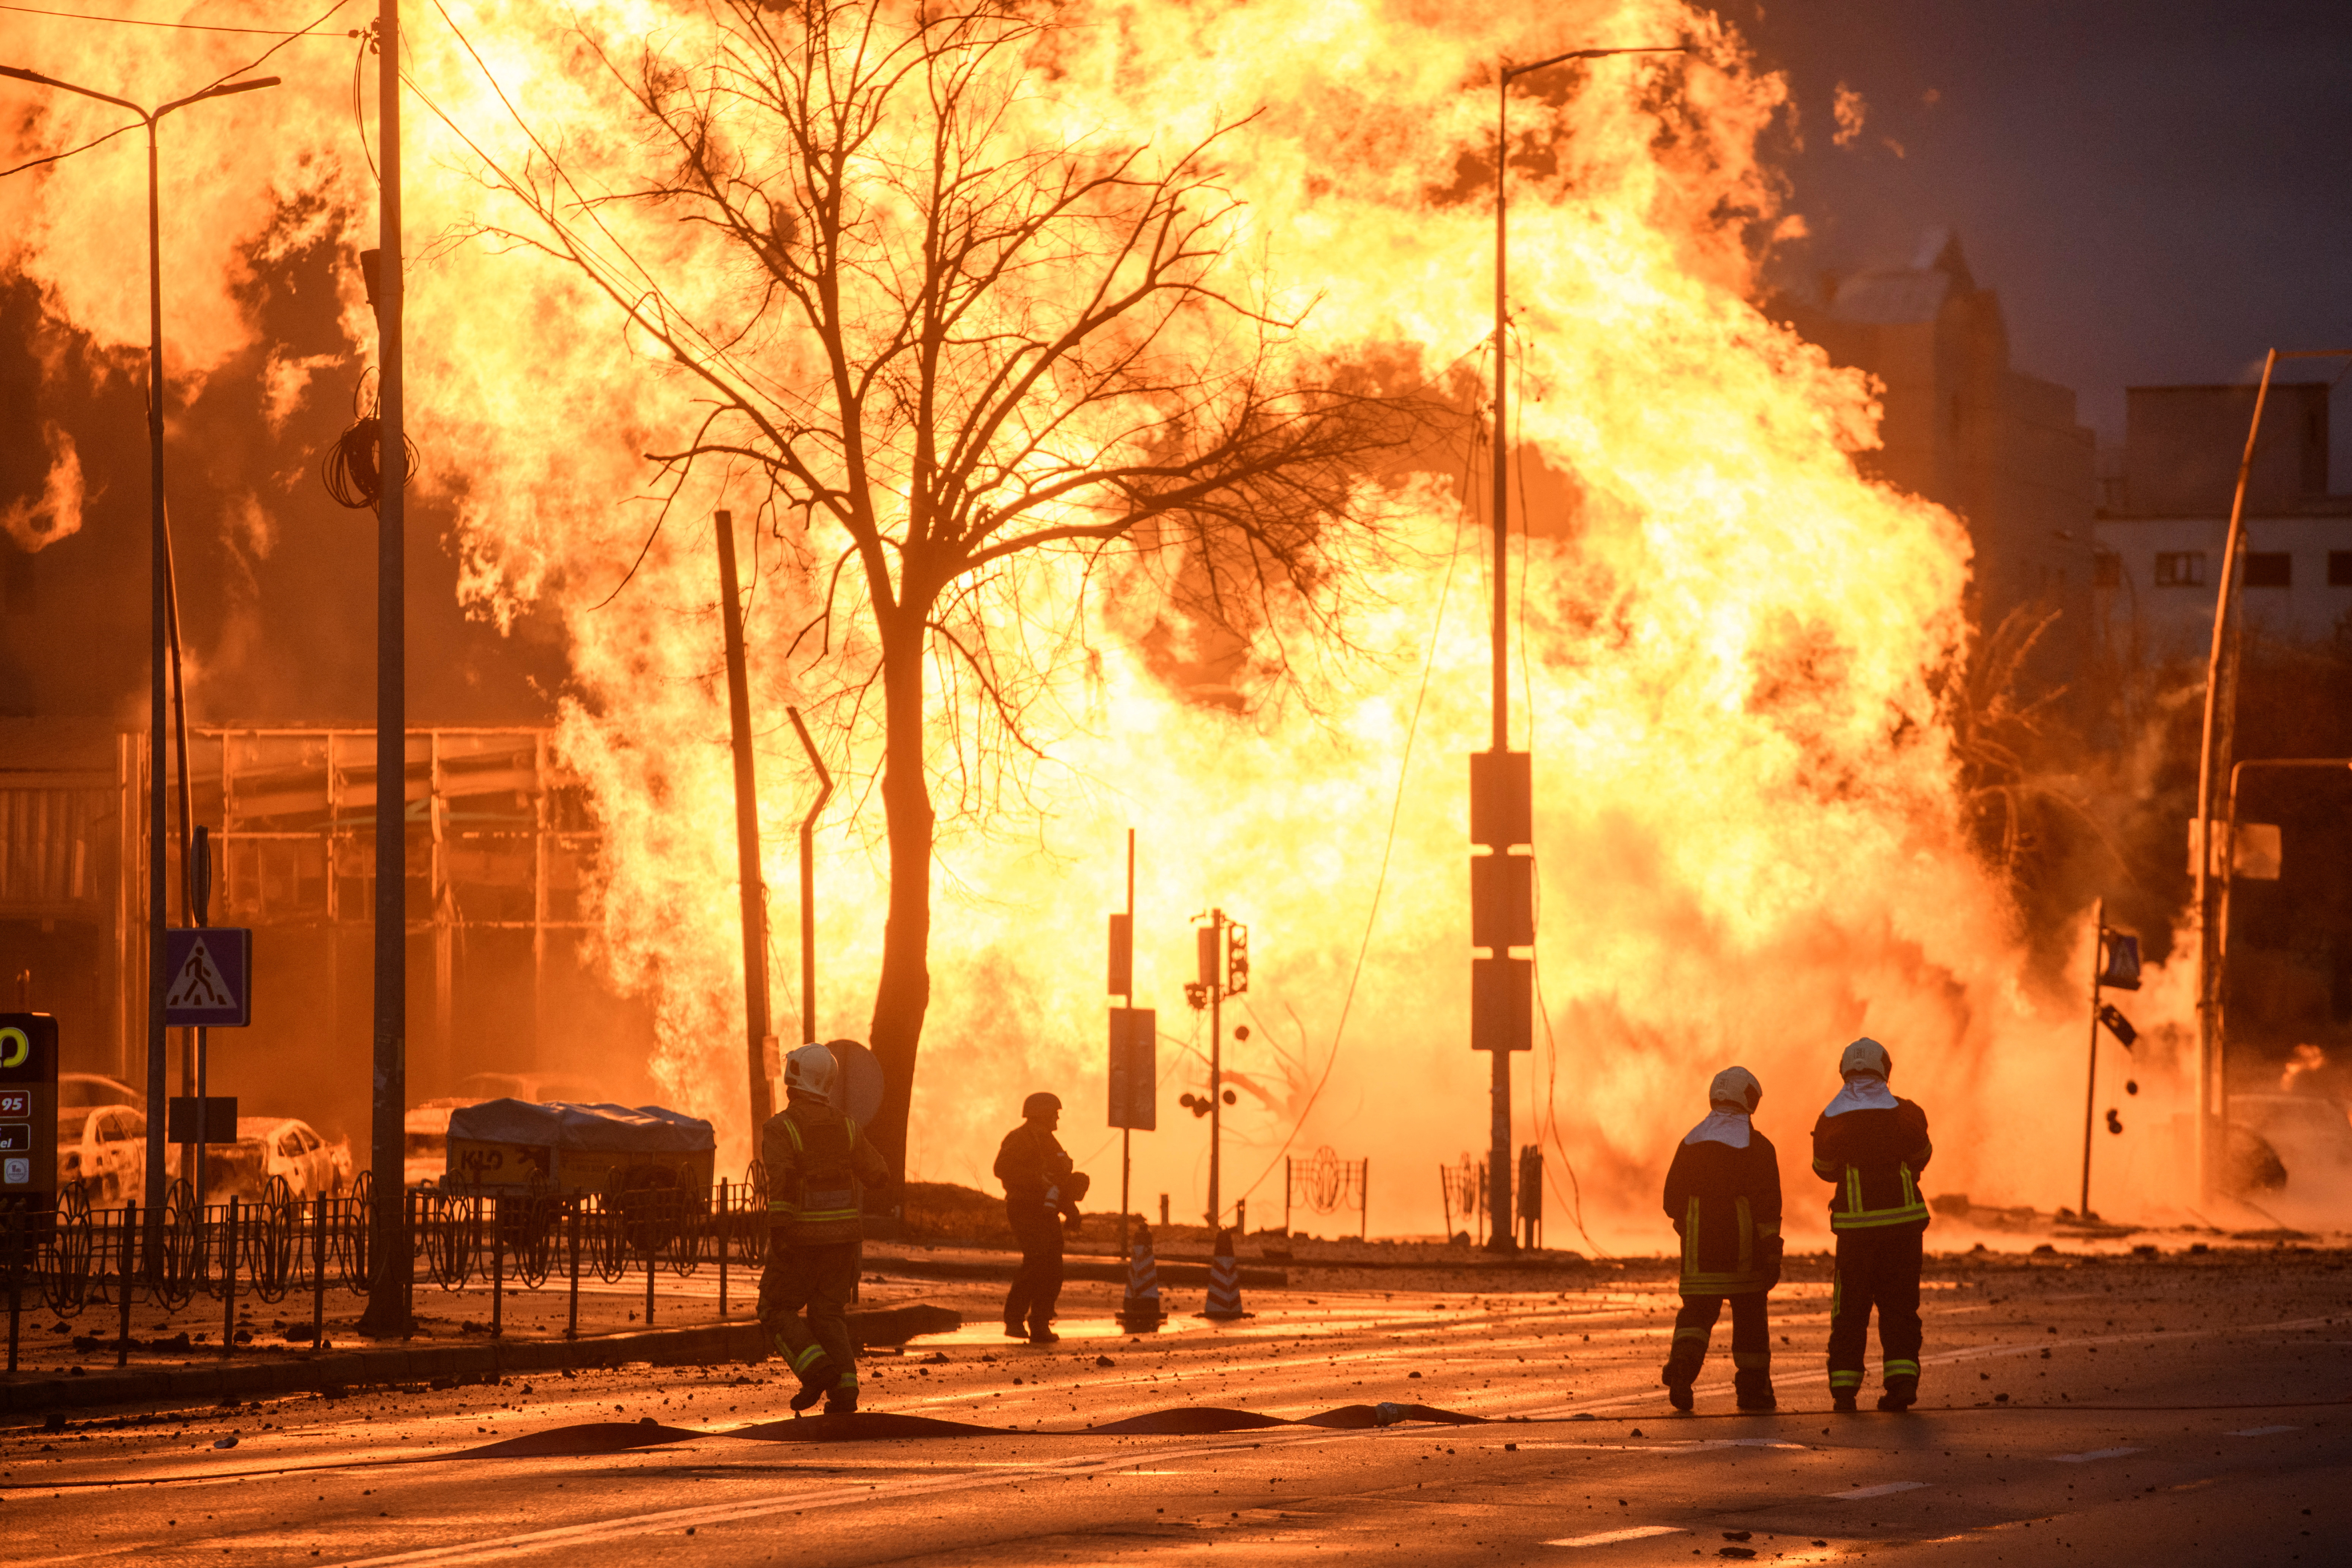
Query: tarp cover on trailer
(647, 1130)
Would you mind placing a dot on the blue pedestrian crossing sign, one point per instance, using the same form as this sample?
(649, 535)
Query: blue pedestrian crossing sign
(210, 977)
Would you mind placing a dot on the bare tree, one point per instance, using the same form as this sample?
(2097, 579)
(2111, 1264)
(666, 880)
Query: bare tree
(963, 341)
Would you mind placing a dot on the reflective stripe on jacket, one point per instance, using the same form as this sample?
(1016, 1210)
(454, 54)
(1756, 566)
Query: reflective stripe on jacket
(1725, 1205)
(1873, 1157)
(818, 1167)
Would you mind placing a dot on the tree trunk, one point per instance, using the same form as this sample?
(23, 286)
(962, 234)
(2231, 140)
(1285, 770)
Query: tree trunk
(904, 992)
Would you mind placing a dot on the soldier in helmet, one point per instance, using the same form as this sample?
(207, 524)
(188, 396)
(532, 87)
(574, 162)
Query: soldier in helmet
(1040, 1190)
(819, 1165)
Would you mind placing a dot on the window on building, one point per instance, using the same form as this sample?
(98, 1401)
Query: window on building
(2270, 569)
(2106, 570)
(2339, 568)
(2179, 568)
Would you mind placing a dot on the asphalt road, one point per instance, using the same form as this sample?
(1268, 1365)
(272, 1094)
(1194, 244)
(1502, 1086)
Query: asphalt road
(2078, 1411)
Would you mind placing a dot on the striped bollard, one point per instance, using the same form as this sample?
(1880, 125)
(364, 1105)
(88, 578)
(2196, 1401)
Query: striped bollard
(1140, 1312)
(1225, 1282)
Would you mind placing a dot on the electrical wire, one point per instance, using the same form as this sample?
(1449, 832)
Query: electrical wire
(145, 22)
(1396, 810)
(1550, 1118)
(283, 39)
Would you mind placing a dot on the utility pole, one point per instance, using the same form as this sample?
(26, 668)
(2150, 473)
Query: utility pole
(1502, 812)
(1222, 947)
(159, 618)
(388, 1309)
(758, 1026)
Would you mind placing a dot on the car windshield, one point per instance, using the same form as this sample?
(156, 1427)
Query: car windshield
(83, 1090)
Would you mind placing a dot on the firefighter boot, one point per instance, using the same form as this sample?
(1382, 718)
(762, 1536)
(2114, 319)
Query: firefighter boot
(1681, 1370)
(1902, 1393)
(842, 1398)
(816, 1381)
(1754, 1387)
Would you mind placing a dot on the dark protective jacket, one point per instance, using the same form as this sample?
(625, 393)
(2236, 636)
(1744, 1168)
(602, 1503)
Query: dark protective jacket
(1725, 1205)
(819, 1166)
(1035, 1170)
(1873, 1156)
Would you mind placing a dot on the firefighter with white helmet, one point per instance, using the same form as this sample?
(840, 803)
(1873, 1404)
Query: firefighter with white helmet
(1723, 1193)
(819, 1167)
(1872, 1146)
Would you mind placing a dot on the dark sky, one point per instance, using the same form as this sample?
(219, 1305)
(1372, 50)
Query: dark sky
(2159, 189)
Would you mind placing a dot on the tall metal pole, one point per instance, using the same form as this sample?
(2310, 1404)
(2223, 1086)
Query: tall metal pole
(2213, 759)
(757, 1020)
(808, 873)
(158, 915)
(2091, 1076)
(1499, 1150)
(2213, 750)
(1506, 970)
(1216, 984)
(1126, 1000)
(159, 612)
(388, 1308)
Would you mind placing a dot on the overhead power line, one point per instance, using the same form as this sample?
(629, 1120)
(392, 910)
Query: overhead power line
(146, 22)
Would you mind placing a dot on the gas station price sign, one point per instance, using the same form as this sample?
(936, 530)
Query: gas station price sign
(28, 1109)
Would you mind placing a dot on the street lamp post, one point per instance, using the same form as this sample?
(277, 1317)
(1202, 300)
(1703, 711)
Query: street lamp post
(159, 617)
(2213, 750)
(1501, 812)
(388, 1309)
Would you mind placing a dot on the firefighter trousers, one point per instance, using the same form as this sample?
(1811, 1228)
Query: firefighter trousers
(1751, 1334)
(1037, 1284)
(1880, 1270)
(821, 1279)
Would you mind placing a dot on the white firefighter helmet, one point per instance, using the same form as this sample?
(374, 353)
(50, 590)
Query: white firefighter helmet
(1865, 1056)
(810, 1069)
(1735, 1088)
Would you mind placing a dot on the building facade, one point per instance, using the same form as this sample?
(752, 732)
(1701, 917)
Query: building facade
(2164, 524)
(1963, 428)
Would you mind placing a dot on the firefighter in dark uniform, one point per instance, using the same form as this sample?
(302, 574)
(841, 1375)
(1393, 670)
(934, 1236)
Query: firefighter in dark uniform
(1723, 1193)
(819, 1165)
(1040, 1190)
(1872, 1147)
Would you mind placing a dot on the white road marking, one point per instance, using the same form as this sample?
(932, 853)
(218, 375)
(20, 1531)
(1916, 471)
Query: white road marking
(502, 1548)
(1883, 1489)
(2085, 1458)
(1612, 1537)
(2264, 1431)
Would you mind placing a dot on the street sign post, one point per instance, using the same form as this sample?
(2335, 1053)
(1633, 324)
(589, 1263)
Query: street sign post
(1134, 1069)
(28, 1112)
(218, 1118)
(211, 969)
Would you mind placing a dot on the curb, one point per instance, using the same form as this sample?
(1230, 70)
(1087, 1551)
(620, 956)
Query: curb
(1109, 1273)
(313, 1371)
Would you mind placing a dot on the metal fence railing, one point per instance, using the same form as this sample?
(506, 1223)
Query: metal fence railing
(77, 1257)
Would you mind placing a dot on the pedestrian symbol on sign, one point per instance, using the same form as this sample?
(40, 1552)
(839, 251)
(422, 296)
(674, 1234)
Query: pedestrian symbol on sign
(199, 982)
(212, 976)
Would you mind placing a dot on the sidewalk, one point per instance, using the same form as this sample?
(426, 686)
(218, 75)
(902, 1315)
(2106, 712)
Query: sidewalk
(197, 1375)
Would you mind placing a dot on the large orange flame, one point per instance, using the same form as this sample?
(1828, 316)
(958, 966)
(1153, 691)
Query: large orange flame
(1746, 817)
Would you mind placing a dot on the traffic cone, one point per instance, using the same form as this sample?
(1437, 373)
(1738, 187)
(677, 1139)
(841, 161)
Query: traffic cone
(1141, 1313)
(1225, 1282)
